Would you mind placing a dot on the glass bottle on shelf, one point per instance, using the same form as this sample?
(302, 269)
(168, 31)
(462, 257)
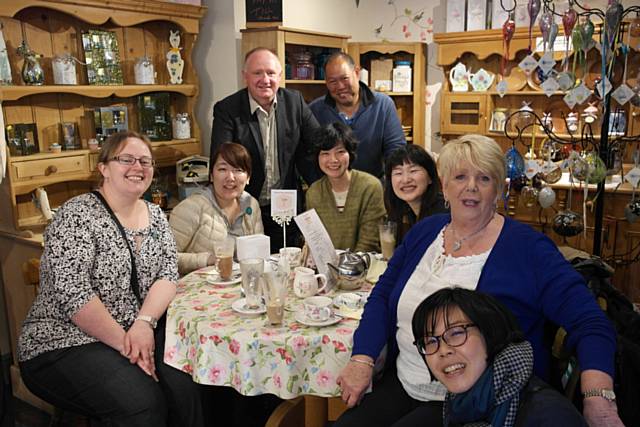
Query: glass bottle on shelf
(303, 68)
(181, 126)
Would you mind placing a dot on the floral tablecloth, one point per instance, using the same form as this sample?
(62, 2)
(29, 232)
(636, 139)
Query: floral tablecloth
(218, 346)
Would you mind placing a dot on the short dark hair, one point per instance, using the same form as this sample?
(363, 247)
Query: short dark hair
(495, 322)
(234, 154)
(114, 144)
(329, 136)
(342, 56)
(397, 208)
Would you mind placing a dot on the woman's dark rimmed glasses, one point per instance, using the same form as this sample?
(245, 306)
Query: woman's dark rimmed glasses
(129, 160)
(455, 336)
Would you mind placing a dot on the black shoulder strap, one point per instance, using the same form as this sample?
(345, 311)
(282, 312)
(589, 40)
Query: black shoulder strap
(134, 272)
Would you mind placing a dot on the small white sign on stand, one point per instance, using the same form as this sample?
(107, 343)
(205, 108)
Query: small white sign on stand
(283, 208)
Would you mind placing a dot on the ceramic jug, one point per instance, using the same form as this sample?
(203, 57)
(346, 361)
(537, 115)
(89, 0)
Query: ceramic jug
(458, 77)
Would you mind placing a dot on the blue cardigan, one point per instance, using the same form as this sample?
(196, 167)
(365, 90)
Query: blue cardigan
(525, 271)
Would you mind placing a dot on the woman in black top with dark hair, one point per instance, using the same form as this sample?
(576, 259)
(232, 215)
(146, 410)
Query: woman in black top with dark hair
(473, 345)
(412, 188)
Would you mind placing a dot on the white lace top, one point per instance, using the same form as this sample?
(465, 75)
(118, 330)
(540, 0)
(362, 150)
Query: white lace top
(434, 271)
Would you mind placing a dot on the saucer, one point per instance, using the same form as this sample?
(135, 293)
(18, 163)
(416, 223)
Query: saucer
(213, 278)
(239, 306)
(301, 318)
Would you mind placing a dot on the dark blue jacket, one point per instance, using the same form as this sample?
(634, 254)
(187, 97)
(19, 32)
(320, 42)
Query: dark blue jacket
(525, 271)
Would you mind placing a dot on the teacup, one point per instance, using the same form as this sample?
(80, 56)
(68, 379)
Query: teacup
(305, 283)
(350, 300)
(318, 309)
(293, 255)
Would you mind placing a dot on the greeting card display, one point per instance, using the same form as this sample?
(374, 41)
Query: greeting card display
(102, 57)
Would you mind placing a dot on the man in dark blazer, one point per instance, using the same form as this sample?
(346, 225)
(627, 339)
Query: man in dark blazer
(264, 110)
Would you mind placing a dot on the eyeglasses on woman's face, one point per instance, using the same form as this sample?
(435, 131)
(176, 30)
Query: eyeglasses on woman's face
(454, 336)
(130, 160)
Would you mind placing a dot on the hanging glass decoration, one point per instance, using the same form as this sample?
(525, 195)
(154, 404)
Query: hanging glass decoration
(590, 114)
(508, 29)
(596, 169)
(569, 19)
(612, 20)
(572, 122)
(514, 163)
(546, 19)
(587, 35)
(567, 223)
(533, 8)
(579, 55)
(546, 197)
(623, 93)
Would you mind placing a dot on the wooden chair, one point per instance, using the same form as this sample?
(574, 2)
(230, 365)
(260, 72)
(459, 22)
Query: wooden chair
(289, 413)
(31, 274)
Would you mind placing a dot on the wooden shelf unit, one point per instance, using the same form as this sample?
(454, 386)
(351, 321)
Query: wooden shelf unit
(53, 27)
(410, 105)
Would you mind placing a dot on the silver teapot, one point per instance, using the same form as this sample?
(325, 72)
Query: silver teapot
(351, 270)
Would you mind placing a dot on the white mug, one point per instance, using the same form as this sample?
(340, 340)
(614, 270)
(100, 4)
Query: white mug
(305, 283)
(293, 255)
(318, 309)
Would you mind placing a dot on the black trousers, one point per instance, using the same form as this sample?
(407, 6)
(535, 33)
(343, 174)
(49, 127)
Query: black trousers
(97, 381)
(389, 405)
(274, 231)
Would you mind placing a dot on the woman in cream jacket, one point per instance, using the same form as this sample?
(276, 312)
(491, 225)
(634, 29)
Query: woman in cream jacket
(221, 209)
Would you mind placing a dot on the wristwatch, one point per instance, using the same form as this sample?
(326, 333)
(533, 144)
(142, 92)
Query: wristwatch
(600, 392)
(149, 319)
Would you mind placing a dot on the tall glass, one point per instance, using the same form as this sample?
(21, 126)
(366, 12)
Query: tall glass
(252, 269)
(276, 294)
(224, 256)
(387, 231)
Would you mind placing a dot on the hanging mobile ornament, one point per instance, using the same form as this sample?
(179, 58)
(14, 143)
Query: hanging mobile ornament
(624, 93)
(612, 20)
(515, 169)
(533, 7)
(546, 19)
(508, 28)
(577, 42)
(569, 19)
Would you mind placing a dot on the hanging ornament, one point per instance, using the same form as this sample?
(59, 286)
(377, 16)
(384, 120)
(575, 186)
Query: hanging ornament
(545, 26)
(547, 122)
(529, 195)
(632, 209)
(587, 35)
(508, 28)
(567, 223)
(569, 19)
(624, 93)
(550, 172)
(597, 170)
(579, 57)
(546, 197)
(533, 7)
(590, 114)
(612, 20)
(553, 33)
(514, 163)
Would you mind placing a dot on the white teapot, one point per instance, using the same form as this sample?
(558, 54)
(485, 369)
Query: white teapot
(458, 76)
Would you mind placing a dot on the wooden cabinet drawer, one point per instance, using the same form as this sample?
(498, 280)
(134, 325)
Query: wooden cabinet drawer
(50, 167)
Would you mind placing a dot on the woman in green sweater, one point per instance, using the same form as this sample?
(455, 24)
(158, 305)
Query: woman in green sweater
(349, 202)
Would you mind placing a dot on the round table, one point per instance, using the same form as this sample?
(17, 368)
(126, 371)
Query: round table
(217, 346)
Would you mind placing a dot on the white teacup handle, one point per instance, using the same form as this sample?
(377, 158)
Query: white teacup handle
(323, 279)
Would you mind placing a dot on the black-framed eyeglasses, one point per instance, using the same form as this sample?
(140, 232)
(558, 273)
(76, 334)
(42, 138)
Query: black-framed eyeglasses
(455, 336)
(129, 160)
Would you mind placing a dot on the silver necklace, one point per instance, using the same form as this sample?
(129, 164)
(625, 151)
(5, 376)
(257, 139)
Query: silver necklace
(457, 244)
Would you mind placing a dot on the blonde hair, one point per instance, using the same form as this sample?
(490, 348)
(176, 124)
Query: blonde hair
(479, 151)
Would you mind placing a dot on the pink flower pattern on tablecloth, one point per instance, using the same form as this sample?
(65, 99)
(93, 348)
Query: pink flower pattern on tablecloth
(217, 346)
